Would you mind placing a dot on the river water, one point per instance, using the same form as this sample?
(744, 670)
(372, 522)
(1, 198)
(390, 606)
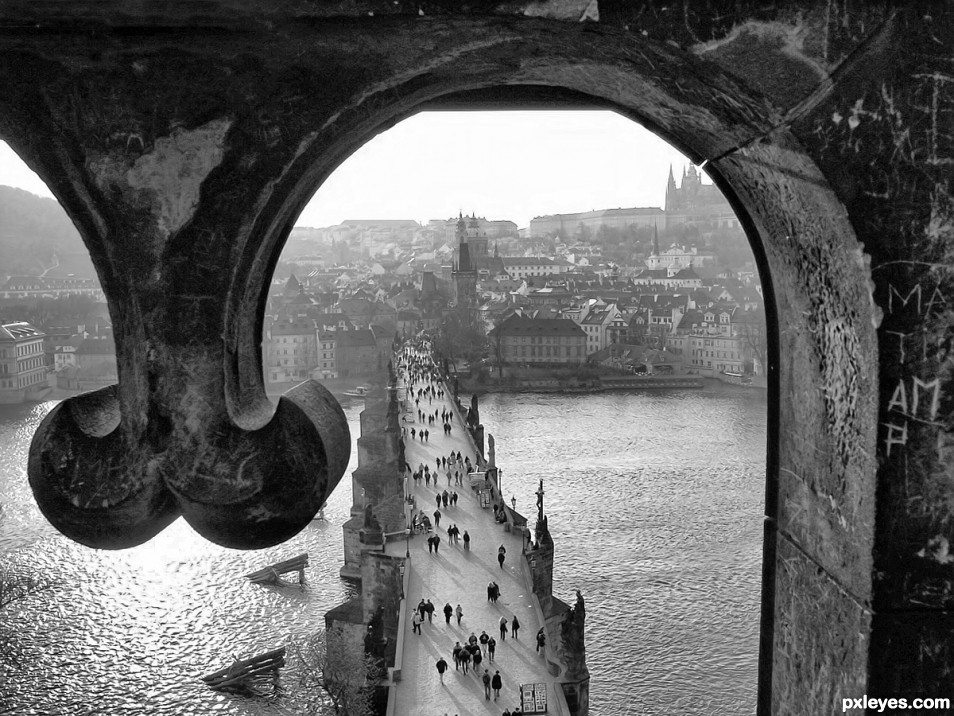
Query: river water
(654, 502)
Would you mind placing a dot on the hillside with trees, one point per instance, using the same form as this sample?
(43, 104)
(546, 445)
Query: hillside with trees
(36, 235)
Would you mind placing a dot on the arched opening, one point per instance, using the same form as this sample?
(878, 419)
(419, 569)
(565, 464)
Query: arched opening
(635, 586)
(813, 271)
(820, 492)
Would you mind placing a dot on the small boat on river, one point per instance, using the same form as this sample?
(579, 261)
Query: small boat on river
(360, 391)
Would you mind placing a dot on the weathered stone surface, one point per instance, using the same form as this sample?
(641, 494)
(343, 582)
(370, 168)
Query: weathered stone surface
(820, 630)
(828, 124)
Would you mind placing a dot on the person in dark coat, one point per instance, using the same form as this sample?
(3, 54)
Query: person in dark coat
(501, 555)
(464, 660)
(541, 640)
(437, 543)
(486, 679)
(429, 610)
(448, 612)
(456, 655)
(503, 628)
(496, 683)
(514, 625)
(442, 667)
(466, 541)
(491, 648)
(476, 657)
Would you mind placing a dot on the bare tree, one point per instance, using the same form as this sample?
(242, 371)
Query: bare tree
(335, 675)
(749, 326)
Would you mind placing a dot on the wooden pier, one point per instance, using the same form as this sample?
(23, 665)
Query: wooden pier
(273, 573)
(248, 677)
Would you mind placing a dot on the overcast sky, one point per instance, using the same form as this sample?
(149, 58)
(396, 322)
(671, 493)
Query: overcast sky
(500, 165)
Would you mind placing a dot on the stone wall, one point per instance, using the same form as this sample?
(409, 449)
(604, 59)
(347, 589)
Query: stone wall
(826, 125)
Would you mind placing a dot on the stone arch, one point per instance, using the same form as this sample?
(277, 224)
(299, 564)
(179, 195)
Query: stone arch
(76, 108)
(819, 528)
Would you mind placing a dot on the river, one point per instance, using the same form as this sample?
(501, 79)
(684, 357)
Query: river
(654, 503)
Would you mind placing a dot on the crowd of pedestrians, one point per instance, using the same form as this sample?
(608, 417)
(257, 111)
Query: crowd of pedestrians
(476, 657)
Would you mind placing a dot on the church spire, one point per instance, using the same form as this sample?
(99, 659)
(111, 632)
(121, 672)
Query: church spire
(670, 190)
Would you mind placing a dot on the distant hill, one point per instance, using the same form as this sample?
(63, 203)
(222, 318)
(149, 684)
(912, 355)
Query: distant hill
(36, 234)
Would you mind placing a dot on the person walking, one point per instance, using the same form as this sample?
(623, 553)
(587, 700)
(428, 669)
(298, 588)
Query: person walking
(441, 668)
(416, 622)
(466, 541)
(438, 501)
(429, 610)
(437, 516)
(486, 679)
(514, 625)
(476, 657)
(464, 660)
(541, 641)
(491, 648)
(483, 639)
(490, 592)
(456, 655)
(437, 543)
(501, 555)
(448, 612)
(430, 544)
(496, 683)
(503, 628)
(459, 613)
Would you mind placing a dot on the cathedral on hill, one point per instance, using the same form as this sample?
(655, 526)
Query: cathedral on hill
(695, 203)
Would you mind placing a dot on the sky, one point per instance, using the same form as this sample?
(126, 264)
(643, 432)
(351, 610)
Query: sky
(500, 165)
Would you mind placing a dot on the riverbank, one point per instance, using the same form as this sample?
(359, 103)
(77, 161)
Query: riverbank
(599, 384)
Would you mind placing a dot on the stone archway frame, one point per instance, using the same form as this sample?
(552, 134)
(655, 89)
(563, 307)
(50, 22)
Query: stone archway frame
(820, 482)
(270, 110)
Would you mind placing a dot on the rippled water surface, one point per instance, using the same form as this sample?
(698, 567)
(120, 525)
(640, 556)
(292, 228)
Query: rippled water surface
(654, 503)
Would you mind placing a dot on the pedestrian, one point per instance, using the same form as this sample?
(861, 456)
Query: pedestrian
(430, 544)
(483, 639)
(459, 613)
(448, 612)
(541, 640)
(497, 593)
(441, 668)
(491, 648)
(495, 684)
(486, 679)
(429, 610)
(437, 518)
(514, 625)
(490, 592)
(476, 657)
(445, 498)
(413, 433)
(456, 655)
(427, 435)
(438, 501)
(501, 555)
(466, 541)
(464, 660)
(513, 501)
(506, 713)
(437, 543)
(416, 622)
(454, 497)
(503, 628)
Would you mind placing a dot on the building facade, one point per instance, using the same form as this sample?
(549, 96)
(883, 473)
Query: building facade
(539, 340)
(22, 361)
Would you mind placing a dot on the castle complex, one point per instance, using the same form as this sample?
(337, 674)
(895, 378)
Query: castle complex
(691, 203)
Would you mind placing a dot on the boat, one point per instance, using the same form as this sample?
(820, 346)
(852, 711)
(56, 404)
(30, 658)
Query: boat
(360, 391)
